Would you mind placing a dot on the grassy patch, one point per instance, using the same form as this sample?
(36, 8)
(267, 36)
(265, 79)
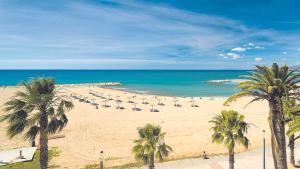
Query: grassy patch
(112, 158)
(126, 166)
(92, 166)
(34, 163)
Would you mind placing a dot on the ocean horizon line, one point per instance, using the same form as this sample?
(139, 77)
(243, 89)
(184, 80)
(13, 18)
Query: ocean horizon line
(127, 69)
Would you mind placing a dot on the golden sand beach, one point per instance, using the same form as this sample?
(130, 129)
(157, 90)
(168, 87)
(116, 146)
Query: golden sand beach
(113, 130)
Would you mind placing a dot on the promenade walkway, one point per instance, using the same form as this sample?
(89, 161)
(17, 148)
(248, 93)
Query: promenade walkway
(246, 160)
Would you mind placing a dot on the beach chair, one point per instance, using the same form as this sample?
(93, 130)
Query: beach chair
(129, 100)
(118, 105)
(144, 101)
(109, 97)
(160, 103)
(176, 104)
(136, 108)
(153, 109)
(105, 104)
(193, 104)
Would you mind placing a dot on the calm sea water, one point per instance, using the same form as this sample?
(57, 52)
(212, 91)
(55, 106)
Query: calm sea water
(165, 82)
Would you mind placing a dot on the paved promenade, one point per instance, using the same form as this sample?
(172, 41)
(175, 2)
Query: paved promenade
(246, 160)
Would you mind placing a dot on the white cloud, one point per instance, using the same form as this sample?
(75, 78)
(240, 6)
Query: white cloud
(258, 59)
(284, 52)
(251, 44)
(298, 49)
(259, 47)
(238, 49)
(233, 56)
(221, 54)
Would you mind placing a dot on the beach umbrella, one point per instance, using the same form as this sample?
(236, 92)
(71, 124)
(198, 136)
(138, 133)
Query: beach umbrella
(118, 99)
(175, 102)
(152, 107)
(143, 100)
(193, 102)
(134, 106)
(105, 102)
(129, 100)
(118, 103)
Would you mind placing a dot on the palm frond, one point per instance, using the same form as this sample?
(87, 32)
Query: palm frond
(32, 133)
(15, 128)
(236, 96)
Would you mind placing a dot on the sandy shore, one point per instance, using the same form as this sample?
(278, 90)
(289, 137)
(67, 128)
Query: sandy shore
(112, 130)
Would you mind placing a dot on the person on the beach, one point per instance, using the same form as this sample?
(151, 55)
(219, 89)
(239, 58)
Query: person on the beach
(205, 156)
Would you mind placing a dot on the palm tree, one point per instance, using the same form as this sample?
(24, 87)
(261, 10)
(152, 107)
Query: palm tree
(150, 145)
(294, 127)
(291, 110)
(272, 84)
(229, 128)
(38, 109)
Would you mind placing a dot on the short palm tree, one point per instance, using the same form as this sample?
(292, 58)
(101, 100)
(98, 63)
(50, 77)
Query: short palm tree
(229, 128)
(272, 84)
(150, 145)
(291, 111)
(38, 109)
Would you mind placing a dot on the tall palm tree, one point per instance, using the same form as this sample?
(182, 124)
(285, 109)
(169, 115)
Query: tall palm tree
(150, 145)
(272, 84)
(291, 111)
(229, 128)
(38, 109)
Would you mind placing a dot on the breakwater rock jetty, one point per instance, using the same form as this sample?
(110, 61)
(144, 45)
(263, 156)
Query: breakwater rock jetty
(102, 84)
(226, 81)
(107, 84)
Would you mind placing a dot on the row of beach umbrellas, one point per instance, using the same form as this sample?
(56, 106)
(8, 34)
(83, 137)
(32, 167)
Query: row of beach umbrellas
(106, 99)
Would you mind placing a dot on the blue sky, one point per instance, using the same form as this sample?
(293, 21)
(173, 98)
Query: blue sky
(144, 34)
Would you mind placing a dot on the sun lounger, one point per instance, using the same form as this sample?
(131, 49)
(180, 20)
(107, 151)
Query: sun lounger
(161, 104)
(177, 105)
(120, 108)
(154, 110)
(136, 109)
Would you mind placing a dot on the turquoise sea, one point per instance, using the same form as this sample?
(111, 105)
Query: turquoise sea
(164, 82)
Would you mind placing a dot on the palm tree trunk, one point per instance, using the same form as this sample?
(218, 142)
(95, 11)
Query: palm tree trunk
(292, 149)
(33, 143)
(276, 122)
(231, 159)
(43, 141)
(151, 162)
